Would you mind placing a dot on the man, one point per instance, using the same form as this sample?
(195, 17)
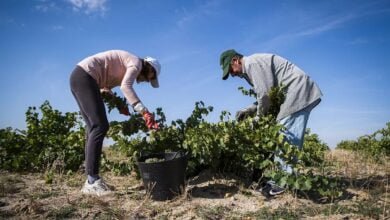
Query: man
(100, 73)
(264, 71)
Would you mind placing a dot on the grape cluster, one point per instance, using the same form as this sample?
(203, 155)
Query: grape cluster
(113, 101)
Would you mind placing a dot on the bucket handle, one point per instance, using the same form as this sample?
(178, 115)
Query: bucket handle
(177, 153)
(174, 156)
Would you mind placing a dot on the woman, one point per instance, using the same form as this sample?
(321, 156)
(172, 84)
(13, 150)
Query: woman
(100, 73)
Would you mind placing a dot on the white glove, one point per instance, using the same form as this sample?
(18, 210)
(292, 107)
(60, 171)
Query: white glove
(140, 108)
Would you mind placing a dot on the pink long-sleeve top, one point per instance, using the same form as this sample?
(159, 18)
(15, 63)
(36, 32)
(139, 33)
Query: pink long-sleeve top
(114, 68)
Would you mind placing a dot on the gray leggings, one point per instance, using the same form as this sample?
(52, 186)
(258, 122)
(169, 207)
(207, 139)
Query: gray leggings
(87, 94)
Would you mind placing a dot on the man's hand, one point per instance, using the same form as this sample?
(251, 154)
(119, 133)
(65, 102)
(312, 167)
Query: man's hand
(240, 115)
(149, 120)
(246, 112)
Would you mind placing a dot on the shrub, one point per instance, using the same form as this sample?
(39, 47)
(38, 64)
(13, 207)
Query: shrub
(376, 145)
(314, 149)
(50, 137)
(13, 152)
(228, 145)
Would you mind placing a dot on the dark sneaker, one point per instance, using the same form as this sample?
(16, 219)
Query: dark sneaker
(271, 189)
(276, 190)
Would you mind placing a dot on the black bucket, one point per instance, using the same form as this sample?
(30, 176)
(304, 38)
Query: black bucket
(164, 180)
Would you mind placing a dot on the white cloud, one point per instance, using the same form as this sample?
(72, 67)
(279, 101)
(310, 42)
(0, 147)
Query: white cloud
(57, 27)
(333, 24)
(320, 26)
(45, 5)
(86, 6)
(357, 41)
(316, 30)
(190, 15)
(340, 20)
(89, 6)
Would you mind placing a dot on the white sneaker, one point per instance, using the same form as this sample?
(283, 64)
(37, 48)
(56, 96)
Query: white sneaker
(98, 188)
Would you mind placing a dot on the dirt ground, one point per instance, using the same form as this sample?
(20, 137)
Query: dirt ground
(207, 196)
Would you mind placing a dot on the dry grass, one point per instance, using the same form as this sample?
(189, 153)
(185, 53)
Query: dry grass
(208, 196)
(357, 165)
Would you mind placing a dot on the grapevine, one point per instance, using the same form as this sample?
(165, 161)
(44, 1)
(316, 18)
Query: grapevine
(224, 146)
(113, 101)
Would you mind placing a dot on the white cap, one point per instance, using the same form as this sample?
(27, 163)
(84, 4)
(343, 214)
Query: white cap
(157, 67)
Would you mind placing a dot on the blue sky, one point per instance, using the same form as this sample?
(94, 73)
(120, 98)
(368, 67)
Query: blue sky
(344, 45)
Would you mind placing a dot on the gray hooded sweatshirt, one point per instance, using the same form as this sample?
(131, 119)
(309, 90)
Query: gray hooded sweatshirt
(265, 71)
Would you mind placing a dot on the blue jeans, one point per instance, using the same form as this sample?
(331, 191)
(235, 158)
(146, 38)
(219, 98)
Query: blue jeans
(295, 125)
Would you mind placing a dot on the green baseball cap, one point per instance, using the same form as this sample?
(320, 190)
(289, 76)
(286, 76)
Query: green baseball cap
(225, 60)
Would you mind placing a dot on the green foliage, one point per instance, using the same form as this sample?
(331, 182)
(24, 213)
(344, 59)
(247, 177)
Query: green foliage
(277, 95)
(250, 92)
(314, 149)
(311, 155)
(13, 153)
(113, 101)
(49, 177)
(51, 136)
(376, 145)
(117, 167)
(130, 127)
(154, 160)
(229, 146)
